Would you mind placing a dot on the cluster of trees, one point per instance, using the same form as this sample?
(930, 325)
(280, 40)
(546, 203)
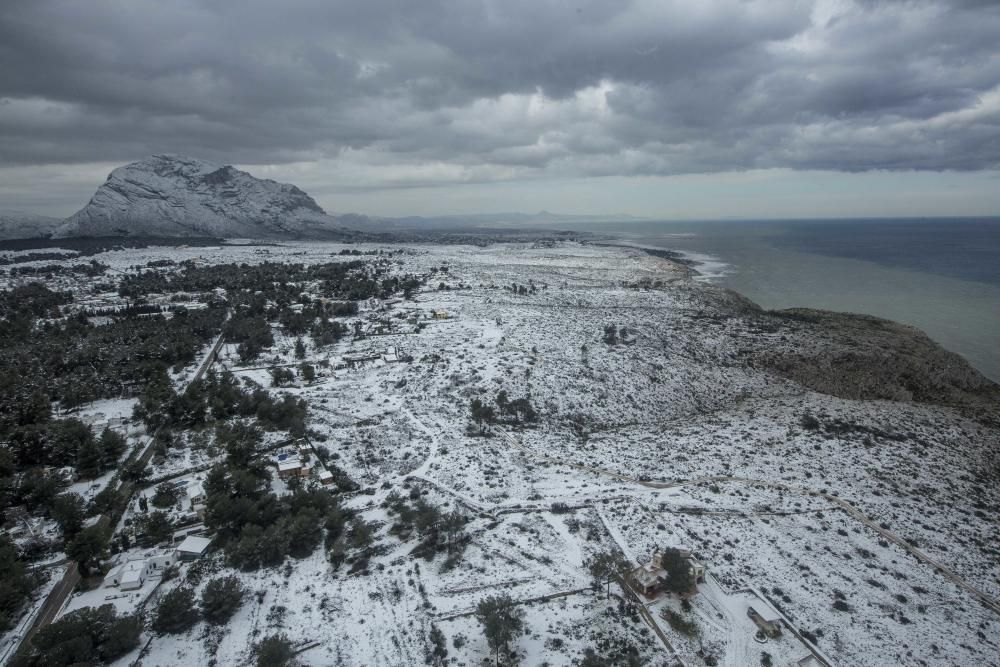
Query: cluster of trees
(273, 282)
(273, 293)
(74, 362)
(625, 657)
(680, 623)
(256, 527)
(20, 305)
(251, 333)
(282, 376)
(522, 290)
(214, 399)
(614, 334)
(154, 527)
(92, 268)
(88, 636)
(440, 531)
(358, 253)
(516, 411)
(179, 610)
(16, 584)
(42, 489)
(38, 440)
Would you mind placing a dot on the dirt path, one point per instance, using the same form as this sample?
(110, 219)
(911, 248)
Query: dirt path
(988, 601)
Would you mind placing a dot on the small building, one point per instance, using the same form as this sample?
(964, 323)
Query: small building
(391, 355)
(114, 576)
(649, 578)
(355, 360)
(195, 492)
(133, 575)
(160, 560)
(128, 576)
(292, 467)
(326, 477)
(193, 547)
(697, 570)
(440, 314)
(767, 620)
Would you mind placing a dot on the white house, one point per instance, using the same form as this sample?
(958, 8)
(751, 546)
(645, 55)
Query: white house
(161, 559)
(128, 576)
(132, 574)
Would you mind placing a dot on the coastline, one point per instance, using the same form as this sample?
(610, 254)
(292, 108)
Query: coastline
(960, 315)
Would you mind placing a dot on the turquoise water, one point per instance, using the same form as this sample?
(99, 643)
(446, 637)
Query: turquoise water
(941, 275)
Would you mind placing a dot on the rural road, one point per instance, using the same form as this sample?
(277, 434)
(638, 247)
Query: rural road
(62, 590)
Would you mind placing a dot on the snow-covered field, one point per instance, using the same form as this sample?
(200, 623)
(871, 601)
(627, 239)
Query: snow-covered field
(664, 439)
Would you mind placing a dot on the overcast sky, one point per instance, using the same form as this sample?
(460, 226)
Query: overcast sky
(394, 107)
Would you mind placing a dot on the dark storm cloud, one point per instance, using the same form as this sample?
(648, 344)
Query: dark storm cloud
(505, 89)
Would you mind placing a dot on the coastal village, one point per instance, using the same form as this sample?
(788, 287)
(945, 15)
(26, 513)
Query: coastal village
(615, 421)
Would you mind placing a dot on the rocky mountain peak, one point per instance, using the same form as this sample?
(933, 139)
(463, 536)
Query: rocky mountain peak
(172, 195)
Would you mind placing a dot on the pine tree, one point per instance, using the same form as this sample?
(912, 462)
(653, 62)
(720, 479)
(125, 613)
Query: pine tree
(68, 512)
(221, 598)
(274, 651)
(89, 459)
(176, 612)
(679, 579)
(113, 445)
(502, 621)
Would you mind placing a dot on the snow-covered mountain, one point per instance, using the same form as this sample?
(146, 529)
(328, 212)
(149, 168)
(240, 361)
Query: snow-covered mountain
(21, 225)
(171, 195)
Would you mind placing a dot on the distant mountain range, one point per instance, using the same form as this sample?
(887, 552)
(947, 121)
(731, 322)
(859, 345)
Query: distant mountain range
(21, 225)
(176, 196)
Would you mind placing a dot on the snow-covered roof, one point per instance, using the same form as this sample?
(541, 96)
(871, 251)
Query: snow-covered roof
(325, 474)
(193, 544)
(132, 571)
(647, 574)
(114, 572)
(289, 464)
(766, 613)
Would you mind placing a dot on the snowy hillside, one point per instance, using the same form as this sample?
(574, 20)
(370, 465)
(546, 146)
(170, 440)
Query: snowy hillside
(20, 225)
(169, 195)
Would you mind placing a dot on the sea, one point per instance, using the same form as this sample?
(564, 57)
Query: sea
(941, 275)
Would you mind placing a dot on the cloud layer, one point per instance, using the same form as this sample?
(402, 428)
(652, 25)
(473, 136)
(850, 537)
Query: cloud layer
(403, 93)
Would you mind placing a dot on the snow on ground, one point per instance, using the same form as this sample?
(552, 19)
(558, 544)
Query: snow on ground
(669, 403)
